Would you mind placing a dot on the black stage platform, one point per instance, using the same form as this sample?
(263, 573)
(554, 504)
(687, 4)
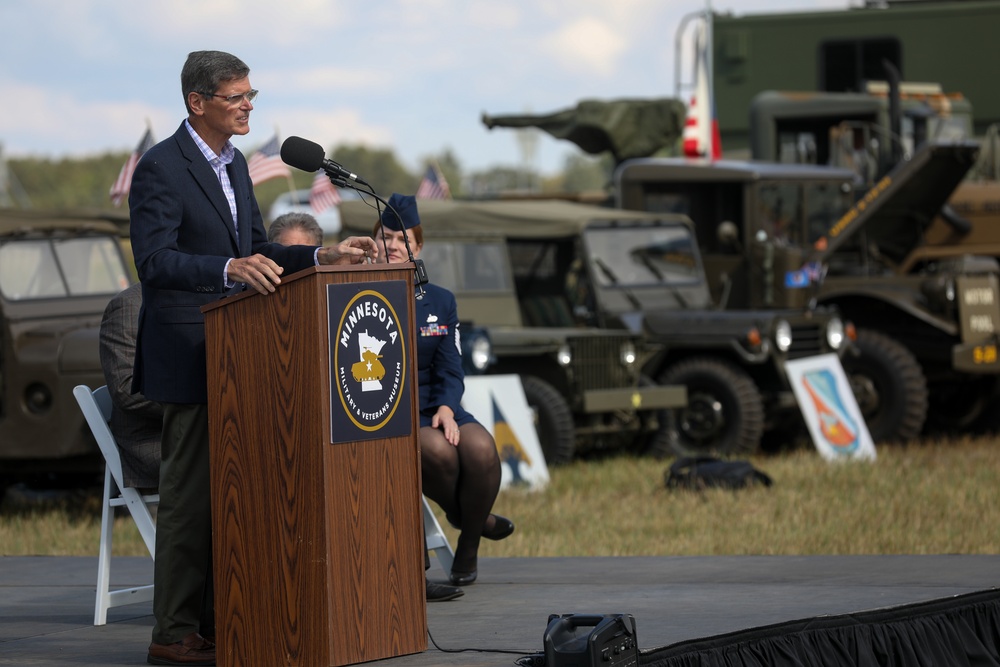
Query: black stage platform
(679, 603)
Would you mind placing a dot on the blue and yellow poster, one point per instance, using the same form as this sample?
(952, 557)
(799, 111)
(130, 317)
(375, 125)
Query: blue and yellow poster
(499, 404)
(835, 422)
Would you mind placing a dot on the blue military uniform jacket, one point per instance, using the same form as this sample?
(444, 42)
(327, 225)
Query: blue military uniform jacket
(440, 376)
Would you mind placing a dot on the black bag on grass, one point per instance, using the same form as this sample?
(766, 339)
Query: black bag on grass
(706, 472)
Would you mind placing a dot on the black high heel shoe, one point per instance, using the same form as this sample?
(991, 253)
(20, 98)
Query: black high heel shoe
(463, 574)
(502, 527)
(463, 578)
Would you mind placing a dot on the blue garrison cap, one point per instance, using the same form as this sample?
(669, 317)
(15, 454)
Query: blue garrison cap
(406, 207)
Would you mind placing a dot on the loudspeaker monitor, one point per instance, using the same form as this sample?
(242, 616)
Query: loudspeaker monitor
(591, 640)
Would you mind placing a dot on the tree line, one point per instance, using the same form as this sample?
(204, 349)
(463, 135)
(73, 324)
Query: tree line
(75, 183)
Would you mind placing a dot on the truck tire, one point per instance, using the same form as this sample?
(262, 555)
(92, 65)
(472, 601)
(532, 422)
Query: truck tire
(724, 415)
(889, 386)
(553, 420)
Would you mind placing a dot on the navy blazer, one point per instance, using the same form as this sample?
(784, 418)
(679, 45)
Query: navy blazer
(440, 378)
(182, 235)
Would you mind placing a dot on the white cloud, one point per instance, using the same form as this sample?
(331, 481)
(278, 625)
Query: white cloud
(586, 45)
(318, 82)
(327, 128)
(53, 123)
(495, 16)
(291, 24)
(410, 75)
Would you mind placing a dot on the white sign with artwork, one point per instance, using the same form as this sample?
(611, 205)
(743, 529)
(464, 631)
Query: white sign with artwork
(832, 414)
(498, 403)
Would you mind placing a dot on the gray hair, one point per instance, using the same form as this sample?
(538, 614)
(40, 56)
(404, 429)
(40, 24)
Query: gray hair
(205, 71)
(289, 221)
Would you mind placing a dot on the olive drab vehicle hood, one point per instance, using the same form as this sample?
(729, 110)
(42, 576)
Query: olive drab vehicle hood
(625, 128)
(894, 212)
(20, 222)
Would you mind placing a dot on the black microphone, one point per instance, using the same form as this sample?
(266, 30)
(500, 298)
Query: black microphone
(308, 156)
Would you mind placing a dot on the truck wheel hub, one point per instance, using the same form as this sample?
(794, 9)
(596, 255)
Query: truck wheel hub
(865, 393)
(703, 418)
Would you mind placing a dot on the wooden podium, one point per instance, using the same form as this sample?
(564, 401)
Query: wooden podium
(318, 542)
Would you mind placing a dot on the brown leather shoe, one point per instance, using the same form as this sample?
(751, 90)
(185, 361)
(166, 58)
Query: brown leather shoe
(192, 650)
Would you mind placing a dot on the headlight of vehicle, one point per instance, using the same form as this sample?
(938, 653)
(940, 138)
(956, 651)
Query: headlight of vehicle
(477, 351)
(783, 335)
(481, 353)
(939, 290)
(37, 398)
(564, 356)
(835, 333)
(628, 355)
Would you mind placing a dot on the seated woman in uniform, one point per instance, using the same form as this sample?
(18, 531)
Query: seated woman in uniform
(460, 464)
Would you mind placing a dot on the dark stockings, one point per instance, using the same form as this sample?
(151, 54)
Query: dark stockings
(464, 480)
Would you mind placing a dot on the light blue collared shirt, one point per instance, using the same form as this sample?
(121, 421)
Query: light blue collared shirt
(219, 164)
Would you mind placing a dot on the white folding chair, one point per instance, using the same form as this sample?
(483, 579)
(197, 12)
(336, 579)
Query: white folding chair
(436, 540)
(96, 407)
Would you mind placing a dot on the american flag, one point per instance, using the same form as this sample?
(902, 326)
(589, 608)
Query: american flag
(266, 163)
(323, 194)
(124, 181)
(434, 186)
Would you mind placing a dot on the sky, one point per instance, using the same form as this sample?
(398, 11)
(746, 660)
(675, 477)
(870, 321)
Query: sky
(85, 77)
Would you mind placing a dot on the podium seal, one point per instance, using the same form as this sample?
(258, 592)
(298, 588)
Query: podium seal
(369, 343)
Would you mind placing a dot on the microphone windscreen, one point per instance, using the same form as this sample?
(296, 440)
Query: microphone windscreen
(302, 154)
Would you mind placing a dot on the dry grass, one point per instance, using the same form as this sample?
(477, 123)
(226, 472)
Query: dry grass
(930, 498)
(62, 525)
(937, 497)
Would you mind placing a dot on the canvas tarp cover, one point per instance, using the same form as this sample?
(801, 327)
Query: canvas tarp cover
(14, 222)
(518, 219)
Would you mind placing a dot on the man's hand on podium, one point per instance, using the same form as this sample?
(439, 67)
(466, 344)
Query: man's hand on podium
(352, 250)
(256, 271)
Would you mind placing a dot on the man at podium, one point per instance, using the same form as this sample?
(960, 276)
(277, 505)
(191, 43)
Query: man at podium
(197, 235)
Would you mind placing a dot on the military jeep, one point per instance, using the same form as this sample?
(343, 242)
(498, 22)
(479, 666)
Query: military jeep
(570, 290)
(57, 273)
(583, 383)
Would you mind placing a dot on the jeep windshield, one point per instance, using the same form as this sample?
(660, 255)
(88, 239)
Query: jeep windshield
(643, 256)
(467, 266)
(53, 268)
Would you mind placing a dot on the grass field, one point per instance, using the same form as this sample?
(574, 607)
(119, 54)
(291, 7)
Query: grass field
(936, 497)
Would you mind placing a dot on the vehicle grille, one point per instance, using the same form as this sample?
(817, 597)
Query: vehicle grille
(807, 340)
(596, 363)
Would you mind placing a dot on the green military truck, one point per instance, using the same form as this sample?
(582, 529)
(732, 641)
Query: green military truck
(839, 50)
(570, 293)
(872, 132)
(57, 273)
(776, 234)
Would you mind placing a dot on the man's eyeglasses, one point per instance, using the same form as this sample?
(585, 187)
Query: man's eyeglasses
(235, 100)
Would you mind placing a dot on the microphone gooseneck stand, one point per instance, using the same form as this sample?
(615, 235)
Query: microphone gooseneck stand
(420, 271)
